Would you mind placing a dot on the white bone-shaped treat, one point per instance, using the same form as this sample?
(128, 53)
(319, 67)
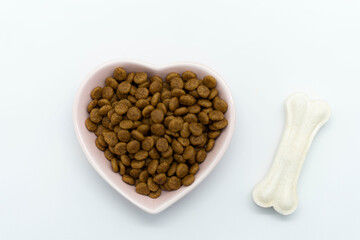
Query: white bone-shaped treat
(304, 118)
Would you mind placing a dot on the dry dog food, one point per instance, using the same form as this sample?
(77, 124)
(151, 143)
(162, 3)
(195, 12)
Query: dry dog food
(156, 133)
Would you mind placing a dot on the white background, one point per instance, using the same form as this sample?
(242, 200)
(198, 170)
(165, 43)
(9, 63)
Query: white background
(265, 50)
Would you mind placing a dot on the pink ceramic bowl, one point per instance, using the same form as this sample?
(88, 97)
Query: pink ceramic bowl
(102, 165)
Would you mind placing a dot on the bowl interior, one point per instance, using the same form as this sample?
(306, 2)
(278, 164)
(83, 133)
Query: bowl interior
(102, 165)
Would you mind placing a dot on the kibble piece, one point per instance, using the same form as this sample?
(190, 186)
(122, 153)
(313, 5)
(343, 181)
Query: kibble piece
(160, 178)
(192, 84)
(157, 129)
(137, 164)
(143, 176)
(96, 93)
(135, 173)
(154, 154)
(194, 168)
(128, 179)
(176, 124)
(143, 128)
(172, 169)
(125, 160)
(162, 107)
(188, 152)
(220, 105)
(108, 155)
(103, 102)
(155, 99)
(190, 118)
(152, 186)
(216, 115)
(111, 82)
(172, 75)
(220, 124)
(209, 81)
(182, 170)
(114, 165)
(104, 110)
(204, 103)
(120, 74)
(210, 144)
(198, 140)
(177, 92)
(124, 136)
(102, 141)
(177, 147)
(120, 148)
(95, 116)
(201, 155)
(162, 144)
(213, 93)
(194, 109)
(98, 145)
(147, 111)
(137, 135)
(142, 103)
(132, 99)
(157, 116)
(107, 92)
(141, 93)
(176, 83)
(203, 91)
(122, 168)
(185, 132)
(125, 102)
(155, 194)
(168, 153)
(99, 130)
(110, 138)
(124, 87)
(181, 111)
(188, 180)
(115, 119)
(147, 143)
(187, 75)
(90, 125)
(140, 77)
(203, 118)
(195, 129)
(134, 114)
(92, 105)
(153, 165)
(155, 87)
(174, 183)
(126, 124)
(141, 155)
(187, 100)
(163, 167)
(133, 146)
(174, 104)
(142, 189)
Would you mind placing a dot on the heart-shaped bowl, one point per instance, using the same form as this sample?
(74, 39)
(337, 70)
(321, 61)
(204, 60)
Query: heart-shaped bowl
(102, 165)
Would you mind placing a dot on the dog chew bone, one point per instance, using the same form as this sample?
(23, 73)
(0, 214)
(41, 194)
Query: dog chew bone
(303, 119)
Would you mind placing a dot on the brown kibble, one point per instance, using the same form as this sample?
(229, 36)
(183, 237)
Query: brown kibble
(214, 134)
(104, 110)
(185, 132)
(213, 93)
(124, 135)
(157, 129)
(115, 119)
(142, 189)
(160, 178)
(143, 128)
(147, 144)
(195, 129)
(98, 145)
(187, 100)
(194, 169)
(176, 124)
(184, 141)
(120, 148)
(129, 180)
(96, 93)
(110, 138)
(134, 114)
(99, 130)
(220, 105)
(201, 155)
(176, 83)
(130, 77)
(155, 194)
(124, 87)
(155, 99)
(125, 160)
(188, 180)
(171, 76)
(92, 105)
(125, 102)
(133, 146)
(188, 152)
(140, 77)
(120, 74)
(141, 93)
(102, 141)
(209, 81)
(157, 116)
(143, 176)
(182, 170)
(155, 87)
(187, 75)
(203, 118)
(153, 165)
(177, 92)
(95, 116)
(135, 173)
(137, 164)
(90, 125)
(174, 183)
(111, 82)
(154, 154)
(181, 111)
(142, 103)
(203, 91)
(190, 118)
(192, 84)
(162, 144)
(126, 124)
(216, 115)
(177, 147)
(220, 124)
(194, 109)
(204, 103)
(163, 167)
(152, 186)
(174, 104)
(114, 165)
(141, 155)
(147, 110)
(137, 135)
(210, 144)
(198, 140)
(122, 168)
(172, 169)
(107, 92)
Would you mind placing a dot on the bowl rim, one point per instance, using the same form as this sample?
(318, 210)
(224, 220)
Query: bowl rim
(225, 144)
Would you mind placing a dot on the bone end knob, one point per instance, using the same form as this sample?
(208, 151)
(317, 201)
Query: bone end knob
(304, 118)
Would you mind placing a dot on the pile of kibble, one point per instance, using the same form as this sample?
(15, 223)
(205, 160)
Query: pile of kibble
(155, 133)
